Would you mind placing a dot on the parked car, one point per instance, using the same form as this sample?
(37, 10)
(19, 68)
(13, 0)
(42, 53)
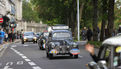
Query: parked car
(43, 40)
(60, 42)
(109, 56)
(29, 37)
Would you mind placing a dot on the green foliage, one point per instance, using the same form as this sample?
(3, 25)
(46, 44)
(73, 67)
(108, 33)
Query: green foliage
(97, 44)
(28, 13)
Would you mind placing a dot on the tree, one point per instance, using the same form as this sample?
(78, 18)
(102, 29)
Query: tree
(110, 17)
(104, 18)
(95, 20)
(28, 13)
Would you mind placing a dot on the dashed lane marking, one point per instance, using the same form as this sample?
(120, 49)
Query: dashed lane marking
(9, 63)
(37, 67)
(28, 60)
(34, 66)
(20, 63)
(25, 45)
(7, 67)
(31, 63)
(80, 56)
(24, 57)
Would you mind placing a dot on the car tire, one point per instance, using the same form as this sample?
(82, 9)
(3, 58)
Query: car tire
(47, 55)
(22, 42)
(75, 56)
(50, 56)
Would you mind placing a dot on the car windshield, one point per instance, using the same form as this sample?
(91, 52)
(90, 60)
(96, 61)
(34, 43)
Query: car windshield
(28, 34)
(61, 35)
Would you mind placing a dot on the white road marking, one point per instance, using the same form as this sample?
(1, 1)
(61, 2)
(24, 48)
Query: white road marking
(31, 63)
(7, 67)
(24, 57)
(80, 56)
(20, 62)
(28, 60)
(21, 54)
(34, 66)
(37, 67)
(25, 45)
(13, 46)
(9, 63)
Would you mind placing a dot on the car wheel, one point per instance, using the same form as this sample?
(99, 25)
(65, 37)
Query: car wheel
(50, 56)
(47, 55)
(75, 56)
(22, 42)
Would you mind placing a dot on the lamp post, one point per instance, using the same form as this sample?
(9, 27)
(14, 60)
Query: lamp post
(78, 22)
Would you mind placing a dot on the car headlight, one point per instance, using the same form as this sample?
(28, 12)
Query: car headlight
(35, 37)
(25, 38)
(74, 45)
(52, 45)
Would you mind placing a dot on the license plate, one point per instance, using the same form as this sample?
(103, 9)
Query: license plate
(75, 51)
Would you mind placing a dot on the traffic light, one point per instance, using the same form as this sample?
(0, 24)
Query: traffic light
(5, 20)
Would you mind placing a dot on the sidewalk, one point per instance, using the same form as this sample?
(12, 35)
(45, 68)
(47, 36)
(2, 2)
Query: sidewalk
(5, 43)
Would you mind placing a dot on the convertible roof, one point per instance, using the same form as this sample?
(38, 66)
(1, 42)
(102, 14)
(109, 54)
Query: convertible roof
(115, 41)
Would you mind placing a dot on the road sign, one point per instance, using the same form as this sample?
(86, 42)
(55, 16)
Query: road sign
(1, 20)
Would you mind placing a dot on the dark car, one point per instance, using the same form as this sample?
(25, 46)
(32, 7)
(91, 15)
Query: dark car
(60, 42)
(29, 37)
(42, 40)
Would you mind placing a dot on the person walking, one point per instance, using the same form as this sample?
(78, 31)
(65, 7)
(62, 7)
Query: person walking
(83, 33)
(6, 37)
(2, 34)
(89, 34)
(13, 36)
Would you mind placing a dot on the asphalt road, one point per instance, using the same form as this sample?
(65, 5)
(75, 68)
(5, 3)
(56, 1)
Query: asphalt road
(28, 56)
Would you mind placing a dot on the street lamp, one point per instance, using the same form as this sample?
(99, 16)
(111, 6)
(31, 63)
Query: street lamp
(78, 22)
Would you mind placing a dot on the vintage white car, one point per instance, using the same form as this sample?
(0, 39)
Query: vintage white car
(109, 56)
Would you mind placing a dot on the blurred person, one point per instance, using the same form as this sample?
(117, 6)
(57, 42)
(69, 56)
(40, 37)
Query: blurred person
(119, 30)
(6, 37)
(13, 36)
(89, 34)
(2, 34)
(83, 33)
(9, 36)
(106, 32)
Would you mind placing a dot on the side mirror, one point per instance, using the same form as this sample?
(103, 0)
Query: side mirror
(102, 64)
(93, 65)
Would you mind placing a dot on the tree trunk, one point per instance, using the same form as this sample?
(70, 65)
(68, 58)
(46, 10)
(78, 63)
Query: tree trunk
(110, 17)
(81, 10)
(95, 18)
(104, 15)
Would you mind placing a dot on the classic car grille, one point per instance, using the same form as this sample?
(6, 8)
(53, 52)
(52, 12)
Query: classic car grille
(62, 49)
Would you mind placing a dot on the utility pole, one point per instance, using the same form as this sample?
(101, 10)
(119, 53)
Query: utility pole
(78, 22)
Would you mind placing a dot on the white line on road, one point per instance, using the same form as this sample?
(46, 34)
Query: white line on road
(7, 67)
(37, 67)
(31, 63)
(9, 63)
(25, 45)
(80, 56)
(34, 66)
(24, 57)
(28, 60)
(20, 62)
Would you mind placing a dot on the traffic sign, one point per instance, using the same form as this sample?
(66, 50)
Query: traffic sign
(1, 20)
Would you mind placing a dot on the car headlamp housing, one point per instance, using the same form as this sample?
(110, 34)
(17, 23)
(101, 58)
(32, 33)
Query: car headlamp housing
(52, 45)
(25, 38)
(74, 44)
(35, 38)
